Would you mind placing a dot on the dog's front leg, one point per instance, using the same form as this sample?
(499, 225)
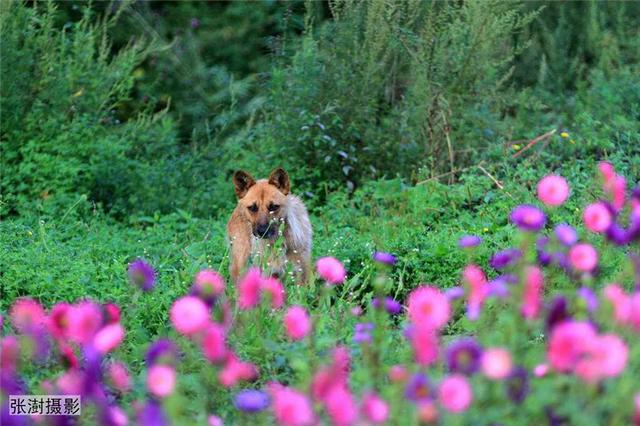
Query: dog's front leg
(240, 252)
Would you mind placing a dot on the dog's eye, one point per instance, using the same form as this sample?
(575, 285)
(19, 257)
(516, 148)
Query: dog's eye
(273, 208)
(253, 208)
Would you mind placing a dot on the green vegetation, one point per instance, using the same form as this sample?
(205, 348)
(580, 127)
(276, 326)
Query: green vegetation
(404, 125)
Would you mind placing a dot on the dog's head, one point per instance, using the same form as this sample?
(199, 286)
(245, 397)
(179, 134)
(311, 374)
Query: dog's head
(264, 201)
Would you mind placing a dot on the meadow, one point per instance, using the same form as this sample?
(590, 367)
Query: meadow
(476, 221)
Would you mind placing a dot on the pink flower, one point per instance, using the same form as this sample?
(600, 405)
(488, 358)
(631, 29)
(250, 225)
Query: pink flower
(618, 196)
(341, 406)
(597, 217)
(429, 307)
(533, 283)
(541, 370)
(249, 289)
(214, 343)
(235, 370)
(27, 315)
(621, 302)
(108, 338)
(117, 416)
(189, 315)
(425, 344)
(606, 356)
(161, 380)
(290, 407)
(84, 320)
(476, 282)
(71, 382)
(214, 421)
(119, 376)
(337, 374)
(209, 282)
(331, 270)
(583, 257)
(455, 393)
(274, 288)
(607, 171)
(374, 408)
(427, 411)
(496, 363)
(59, 321)
(569, 341)
(553, 190)
(634, 316)
(398, 374)
(297, 323)
(10, 354)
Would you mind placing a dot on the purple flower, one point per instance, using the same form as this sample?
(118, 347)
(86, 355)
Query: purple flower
(528, 218)
(384, 258)
(419, 388)
(463, 356)
(467, 241)
(565, 234)
(498, 288)
(362, 332)
(160, 349)
(504, 258)
(544, 257)
(251, 401)
(589, 297)
(393, 307)
(454, 293)
(618, 235)
(517, 384)
(152, 415)
(142, 274)
(195, 23)
(557, 312)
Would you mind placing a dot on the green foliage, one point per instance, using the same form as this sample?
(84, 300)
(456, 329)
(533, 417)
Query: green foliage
(386, 87)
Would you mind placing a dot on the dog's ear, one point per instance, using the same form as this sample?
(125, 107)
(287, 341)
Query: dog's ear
(242, 181)
(280, 179)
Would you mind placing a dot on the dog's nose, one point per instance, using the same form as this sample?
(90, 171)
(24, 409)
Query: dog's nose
(262, 229)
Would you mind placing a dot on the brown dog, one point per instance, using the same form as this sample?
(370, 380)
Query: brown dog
(265, 211)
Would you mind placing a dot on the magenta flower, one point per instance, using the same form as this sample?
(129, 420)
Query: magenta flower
(553, 190)
(207, 285)
(297, 323)
(331, 270)
(583, 257)
(374, 408)
(108, 338)
(428, 306)
(84, 321)
(597, 217)
(569, 342)
(496, 363)
(566, 234)
(235, 370)
(214, 343)
(384, 258)
(142, 274)
(274, 288)
(528, 218)
(532, 301)
(28, 316)
(467, 241)
(424, 340)
(189, 315)
(463, 356)
(249, 289)
(290, 407)
(455, 393)
(161, 380)
(476, 281)
(251, 401)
